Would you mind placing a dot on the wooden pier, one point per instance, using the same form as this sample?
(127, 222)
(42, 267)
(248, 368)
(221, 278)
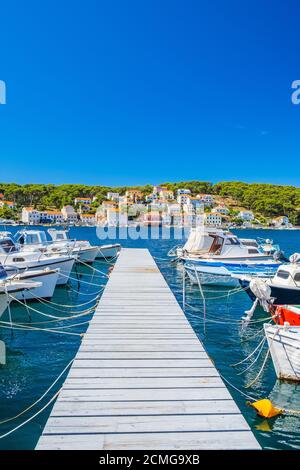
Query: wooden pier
(141, 378)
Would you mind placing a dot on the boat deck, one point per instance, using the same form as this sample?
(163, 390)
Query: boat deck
(141, 378)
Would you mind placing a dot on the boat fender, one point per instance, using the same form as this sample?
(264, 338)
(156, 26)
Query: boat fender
(265, 408)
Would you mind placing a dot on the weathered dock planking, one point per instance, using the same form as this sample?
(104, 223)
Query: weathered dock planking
(141, 378)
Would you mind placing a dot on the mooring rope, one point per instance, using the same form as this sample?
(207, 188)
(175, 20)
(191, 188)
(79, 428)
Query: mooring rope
(35, 403)
(86, 312)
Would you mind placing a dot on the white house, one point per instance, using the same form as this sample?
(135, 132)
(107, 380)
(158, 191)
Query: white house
(83, 200)
(213, 219)
(183, 191)
(220, 210)
(207, 199)
(30, 216)
(165, 194)
(69, 214)
(113, 196)
(88, 219)
(52, 216)
(183, 198)
(246, 215)
(281, 221)
(9, 204)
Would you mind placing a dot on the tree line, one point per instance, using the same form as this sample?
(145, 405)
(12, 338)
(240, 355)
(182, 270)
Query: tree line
(269, 200)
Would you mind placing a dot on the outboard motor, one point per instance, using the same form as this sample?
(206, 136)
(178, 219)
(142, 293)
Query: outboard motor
(262, 292)
(279, 256)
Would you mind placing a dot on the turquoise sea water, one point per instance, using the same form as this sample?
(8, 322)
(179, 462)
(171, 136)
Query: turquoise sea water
(35, 358)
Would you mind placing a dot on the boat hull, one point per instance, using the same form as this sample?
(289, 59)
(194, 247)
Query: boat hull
(284, 345)
(65, 267)
(108, 251)
(87, 255)
(219, 274)
(282, 295)
(210, 277)
(45, 291)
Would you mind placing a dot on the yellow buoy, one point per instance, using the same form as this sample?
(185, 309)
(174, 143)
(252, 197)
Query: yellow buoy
(265, 408)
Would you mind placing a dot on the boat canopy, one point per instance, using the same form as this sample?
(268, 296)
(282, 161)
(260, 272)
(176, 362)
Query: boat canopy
(58, 235)
(32, 237)
(201, 240)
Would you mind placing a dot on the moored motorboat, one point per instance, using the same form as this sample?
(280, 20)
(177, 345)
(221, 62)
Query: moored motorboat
(280, 289)
(48, 279)
(221, 255)
(15, 260)
(82, 248)
(285, 314)
(9, 288)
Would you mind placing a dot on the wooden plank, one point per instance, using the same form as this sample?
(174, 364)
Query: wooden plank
(141, 378)
(136, 363)
(229, 440)
(122, 408)
(144, 372)
(146, 394)
(162, 423)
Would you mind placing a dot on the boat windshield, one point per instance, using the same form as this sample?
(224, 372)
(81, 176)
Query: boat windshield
(217, 244)
(35, 238)
(7, 246)
(232, 241)
(58, 235)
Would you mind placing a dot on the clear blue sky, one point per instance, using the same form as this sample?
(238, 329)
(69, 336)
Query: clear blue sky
(145, 91)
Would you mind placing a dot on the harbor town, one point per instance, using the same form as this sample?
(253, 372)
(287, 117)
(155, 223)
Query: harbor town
(153, 206)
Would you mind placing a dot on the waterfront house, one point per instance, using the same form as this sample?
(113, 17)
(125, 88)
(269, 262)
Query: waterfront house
(51, 216)
(30, 216)
(88, 219)
(69, 214)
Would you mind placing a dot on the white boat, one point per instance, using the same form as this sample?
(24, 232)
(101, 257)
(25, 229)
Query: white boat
(283, 287)
(213, 256)
(11, 287)
(47, 277)
(15, 260)
(284, 346)
(86, 251)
